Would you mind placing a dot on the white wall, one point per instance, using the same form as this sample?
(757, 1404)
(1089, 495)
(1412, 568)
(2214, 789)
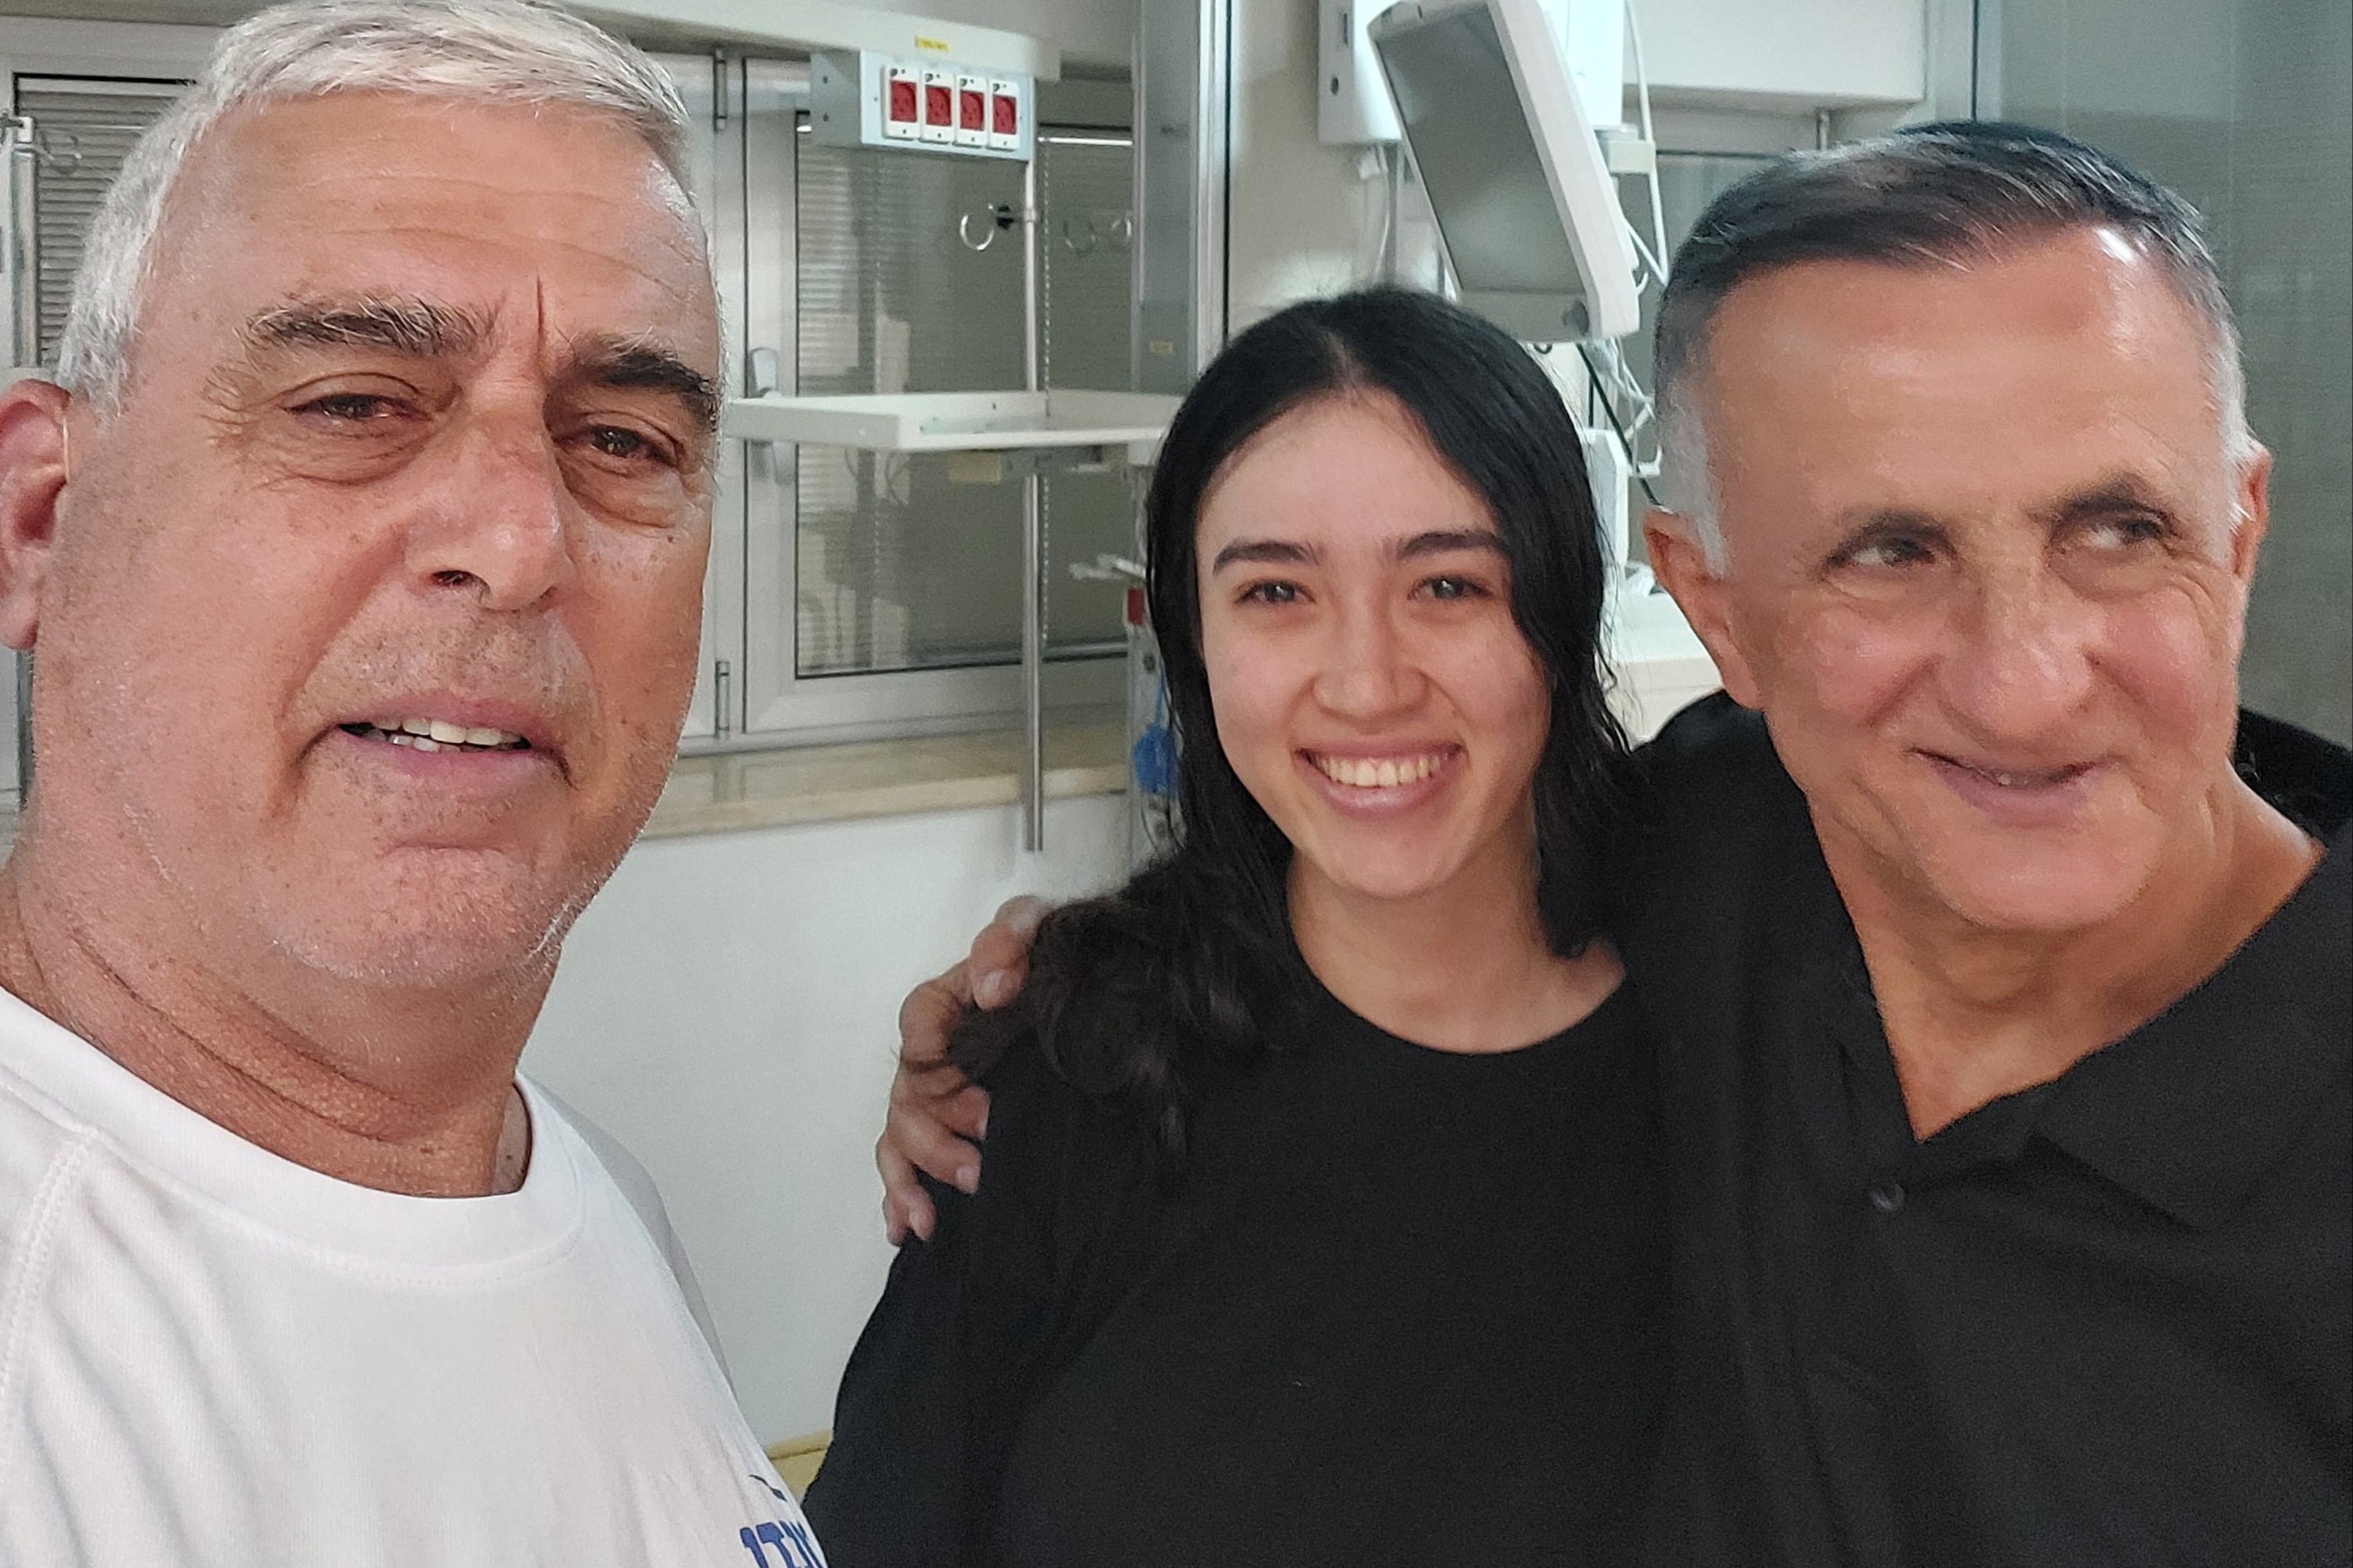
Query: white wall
(1301, 218)
(727, 1008)
(1821, 53)
(1096, 32)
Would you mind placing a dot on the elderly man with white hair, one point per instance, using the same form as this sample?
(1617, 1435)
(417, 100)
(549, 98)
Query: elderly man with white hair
(362, 542)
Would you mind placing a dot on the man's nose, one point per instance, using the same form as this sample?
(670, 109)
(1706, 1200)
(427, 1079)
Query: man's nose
(1367, 670)
(499, 523)
(2023, 661)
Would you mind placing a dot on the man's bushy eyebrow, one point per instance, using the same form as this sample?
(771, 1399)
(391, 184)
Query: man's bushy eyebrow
(2117, 492)
(649, 367)
(423, 328)
(416, 328)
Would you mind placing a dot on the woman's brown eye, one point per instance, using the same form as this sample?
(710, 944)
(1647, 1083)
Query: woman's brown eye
(1452, 587)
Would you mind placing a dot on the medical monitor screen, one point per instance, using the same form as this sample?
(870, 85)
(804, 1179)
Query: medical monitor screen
(1475, 149)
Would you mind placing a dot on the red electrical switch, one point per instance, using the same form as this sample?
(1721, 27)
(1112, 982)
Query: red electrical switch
(939, 106)
(972, 111)
(1005, 115)
(903, 113)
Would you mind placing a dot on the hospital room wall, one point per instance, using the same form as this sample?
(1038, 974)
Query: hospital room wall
(1824, 52)
(727, 1009)
(1093, 34)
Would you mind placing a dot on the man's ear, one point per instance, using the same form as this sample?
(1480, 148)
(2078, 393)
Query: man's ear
(1680, 563)
(32, 477)
(2250, 513)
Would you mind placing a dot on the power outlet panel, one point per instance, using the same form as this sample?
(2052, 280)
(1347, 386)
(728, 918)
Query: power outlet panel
(863, 98)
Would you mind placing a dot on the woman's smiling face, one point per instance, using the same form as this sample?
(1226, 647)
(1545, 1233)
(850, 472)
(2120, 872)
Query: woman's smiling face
(1373, 691)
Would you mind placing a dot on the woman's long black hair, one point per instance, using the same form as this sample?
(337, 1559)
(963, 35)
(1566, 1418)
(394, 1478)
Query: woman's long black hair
(1189, 964)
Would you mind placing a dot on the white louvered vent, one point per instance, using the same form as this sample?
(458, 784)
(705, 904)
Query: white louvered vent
(82, 131)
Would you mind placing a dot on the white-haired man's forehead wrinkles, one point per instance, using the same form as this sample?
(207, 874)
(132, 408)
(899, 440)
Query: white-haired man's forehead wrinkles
(1693, 492)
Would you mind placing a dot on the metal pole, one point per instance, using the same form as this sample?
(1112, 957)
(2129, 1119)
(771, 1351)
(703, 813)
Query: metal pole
(1393, 247)
(1033, 543)
(1213, 112)
(24, 258)
(25, 351)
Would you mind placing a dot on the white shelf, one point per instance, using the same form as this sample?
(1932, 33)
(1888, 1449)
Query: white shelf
(960, 421)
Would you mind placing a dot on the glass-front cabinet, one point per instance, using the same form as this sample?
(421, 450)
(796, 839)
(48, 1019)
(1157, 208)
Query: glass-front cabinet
(879, 590)
(851, 593)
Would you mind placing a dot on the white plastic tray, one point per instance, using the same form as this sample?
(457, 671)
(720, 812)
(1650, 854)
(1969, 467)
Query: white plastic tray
(959, 421)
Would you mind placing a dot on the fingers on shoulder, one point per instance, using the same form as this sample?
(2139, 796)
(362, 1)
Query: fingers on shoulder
(929, 1014)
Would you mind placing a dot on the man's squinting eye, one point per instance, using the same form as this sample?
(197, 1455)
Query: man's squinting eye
(1270, 593)
(1886, 552)
(2123, 530)
(622, 445)
(350, 407)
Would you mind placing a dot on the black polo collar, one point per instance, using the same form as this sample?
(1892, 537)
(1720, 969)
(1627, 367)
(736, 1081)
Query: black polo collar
(2195, 1107)
(2191, 1111)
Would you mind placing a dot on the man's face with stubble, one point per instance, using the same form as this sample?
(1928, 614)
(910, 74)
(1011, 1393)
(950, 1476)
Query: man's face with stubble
(371, 615)
(1989, 547)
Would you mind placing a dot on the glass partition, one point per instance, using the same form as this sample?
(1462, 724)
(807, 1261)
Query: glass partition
(2246, 108)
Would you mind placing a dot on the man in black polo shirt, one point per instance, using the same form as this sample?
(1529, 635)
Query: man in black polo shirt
(2001, 965)
(2006, 1020)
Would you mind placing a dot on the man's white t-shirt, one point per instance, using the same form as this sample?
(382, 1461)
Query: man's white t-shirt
(213, 1356)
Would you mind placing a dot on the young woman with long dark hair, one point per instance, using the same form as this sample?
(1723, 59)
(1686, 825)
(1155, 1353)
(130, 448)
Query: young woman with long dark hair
(1323, 1222)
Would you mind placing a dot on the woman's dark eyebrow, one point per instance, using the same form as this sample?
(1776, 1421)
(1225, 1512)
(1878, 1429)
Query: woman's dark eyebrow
(1439, 541)
(1269, 552)
(1284, 553)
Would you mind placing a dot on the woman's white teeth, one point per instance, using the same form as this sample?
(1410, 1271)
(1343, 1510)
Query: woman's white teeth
(1364, 772)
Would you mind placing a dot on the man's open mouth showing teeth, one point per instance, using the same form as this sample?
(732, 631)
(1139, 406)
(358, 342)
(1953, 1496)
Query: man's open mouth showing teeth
(1387, 773)
(437, 735)
(2036, 778)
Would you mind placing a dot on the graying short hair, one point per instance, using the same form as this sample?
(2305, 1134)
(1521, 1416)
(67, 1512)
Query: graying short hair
(493, 51)
(1929, 195)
